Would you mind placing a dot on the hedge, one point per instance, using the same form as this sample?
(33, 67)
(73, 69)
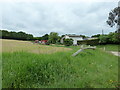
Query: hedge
(89, 42)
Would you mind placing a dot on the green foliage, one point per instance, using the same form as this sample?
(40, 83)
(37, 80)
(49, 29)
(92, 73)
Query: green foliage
(114, 18)
(68, 42)
(0, 70)
(60, 70)
(38, 38)
(104, 39)
(48, 43)
(98, 35)
(83, 36)
(110, 47)
(114, 37)
(15, 35)
(53, 37)
(89, 42)
(45, 37)
(111, 38)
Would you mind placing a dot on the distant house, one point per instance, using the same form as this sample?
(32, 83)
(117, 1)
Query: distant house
(72, 36)
(36, 41)
(43, 41)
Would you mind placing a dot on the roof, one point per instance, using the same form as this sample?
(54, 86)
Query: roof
(44, 40)
(73, 35)
(90, 38)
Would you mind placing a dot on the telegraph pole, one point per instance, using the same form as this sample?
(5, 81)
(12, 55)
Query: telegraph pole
(102, 32)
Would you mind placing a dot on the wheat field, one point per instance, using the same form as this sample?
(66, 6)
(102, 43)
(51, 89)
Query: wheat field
(17, 45)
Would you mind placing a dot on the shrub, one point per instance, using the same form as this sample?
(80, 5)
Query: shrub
(47, 43)
(89, 42)
(103, 39)
(68, 42)
(111, 38)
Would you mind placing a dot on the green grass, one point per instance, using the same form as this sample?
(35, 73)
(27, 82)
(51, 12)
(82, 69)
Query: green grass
(0, 70)
(110, 47)
(89, 69)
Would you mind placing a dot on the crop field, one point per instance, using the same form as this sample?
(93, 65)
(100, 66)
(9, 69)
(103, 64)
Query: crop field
(15, 45)
(28, 65)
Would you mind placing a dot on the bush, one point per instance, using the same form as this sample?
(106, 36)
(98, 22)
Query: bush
(68, 42)
(111, 38)
(47, 43)
(89, 42)
(104, 39)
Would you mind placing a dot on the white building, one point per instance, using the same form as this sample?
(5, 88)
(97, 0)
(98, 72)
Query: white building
(74, 37)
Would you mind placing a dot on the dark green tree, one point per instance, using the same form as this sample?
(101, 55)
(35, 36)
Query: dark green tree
(104, 39)
(114, 18)
(45, 37)
(16, 35)
(53, 37)
(98, 35)
(68, 42)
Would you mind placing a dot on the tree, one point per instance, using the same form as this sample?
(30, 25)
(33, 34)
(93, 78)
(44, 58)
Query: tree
(45, 37)
(113, 38)
(98, 35)
(53, 37)
(83, 36)
(68, 42)
(114, 18)
(103, 39)
(15, 35)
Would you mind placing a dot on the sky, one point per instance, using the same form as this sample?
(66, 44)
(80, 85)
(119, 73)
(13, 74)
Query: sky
(64, 17)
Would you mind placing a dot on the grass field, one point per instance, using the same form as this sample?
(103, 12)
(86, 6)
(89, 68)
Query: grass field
(15, 45)
(54, 67)
(110, 47)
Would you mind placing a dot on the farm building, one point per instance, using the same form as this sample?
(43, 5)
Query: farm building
(43, 41)
(72, 36)
(36, 41)
(77, 39)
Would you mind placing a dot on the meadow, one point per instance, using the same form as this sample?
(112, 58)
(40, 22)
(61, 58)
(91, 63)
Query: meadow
(27, 65)
(110, 47)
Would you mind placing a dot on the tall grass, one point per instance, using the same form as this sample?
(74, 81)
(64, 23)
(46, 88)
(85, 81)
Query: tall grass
(0, 70)
(110, 47)
(91, 68)
(16, 45)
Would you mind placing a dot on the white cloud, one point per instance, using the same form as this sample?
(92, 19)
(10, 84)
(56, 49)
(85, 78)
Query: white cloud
(40, 18)
(60, 1)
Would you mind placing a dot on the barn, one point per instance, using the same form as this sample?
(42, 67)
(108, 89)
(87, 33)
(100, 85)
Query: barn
(43, 41)
(72, 36)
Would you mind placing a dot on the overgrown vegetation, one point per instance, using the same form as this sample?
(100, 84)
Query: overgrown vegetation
(110, 47)
(89, 69)
(68, 42)
(89, 42)
(53, 38)
(111, 38)
(15, 35)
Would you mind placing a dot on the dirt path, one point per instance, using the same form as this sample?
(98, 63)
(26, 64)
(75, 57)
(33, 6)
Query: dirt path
(115, 53)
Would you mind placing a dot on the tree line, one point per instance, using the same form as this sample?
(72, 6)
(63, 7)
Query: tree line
(15, 35)
(111, 38)
(54, 38)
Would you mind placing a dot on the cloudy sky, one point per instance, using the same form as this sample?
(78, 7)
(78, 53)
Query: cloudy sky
(39, 18)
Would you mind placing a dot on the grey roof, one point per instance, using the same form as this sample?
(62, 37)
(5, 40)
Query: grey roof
(73, 35)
